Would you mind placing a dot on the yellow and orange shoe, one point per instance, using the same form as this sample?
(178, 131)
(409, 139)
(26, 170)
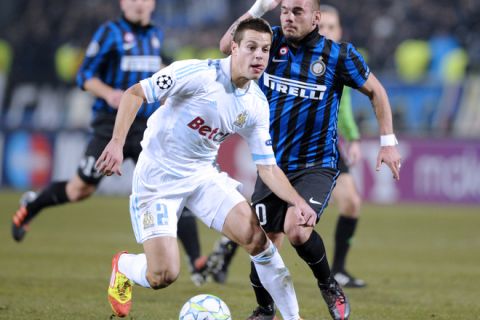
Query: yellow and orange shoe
(21, 218)
(119, 290)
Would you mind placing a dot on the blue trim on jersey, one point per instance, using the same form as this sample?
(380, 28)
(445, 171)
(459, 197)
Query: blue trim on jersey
(152, 88)
(185, 72)
(256, 156)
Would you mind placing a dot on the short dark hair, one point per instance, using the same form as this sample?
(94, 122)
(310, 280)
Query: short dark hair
(256, 24)
(316, 4)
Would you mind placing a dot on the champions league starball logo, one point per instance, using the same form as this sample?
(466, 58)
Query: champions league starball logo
(164, 82)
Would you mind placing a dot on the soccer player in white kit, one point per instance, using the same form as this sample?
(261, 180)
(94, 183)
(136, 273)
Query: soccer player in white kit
(207, 100)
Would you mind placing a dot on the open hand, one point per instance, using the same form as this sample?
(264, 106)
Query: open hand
(391, 157)
(306, 216)
(111, 159)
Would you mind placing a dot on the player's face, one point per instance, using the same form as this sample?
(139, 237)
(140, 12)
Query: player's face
(329, 26)
(138, 11)
(298, 18)
(250, 56)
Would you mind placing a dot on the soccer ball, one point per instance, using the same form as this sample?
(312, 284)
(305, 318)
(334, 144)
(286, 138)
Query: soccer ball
(205, 307)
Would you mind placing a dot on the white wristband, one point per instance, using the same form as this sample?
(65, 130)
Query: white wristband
(259, 8)
(388, 140)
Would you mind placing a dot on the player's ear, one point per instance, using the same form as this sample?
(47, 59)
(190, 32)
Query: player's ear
(233, 46)
(317, 16)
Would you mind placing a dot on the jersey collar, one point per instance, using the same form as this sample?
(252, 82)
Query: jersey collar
(310, 40)
(225, 66)
(136, 26)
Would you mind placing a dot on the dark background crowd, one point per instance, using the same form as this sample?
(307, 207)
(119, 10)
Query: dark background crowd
(36, 28)
(410, 41)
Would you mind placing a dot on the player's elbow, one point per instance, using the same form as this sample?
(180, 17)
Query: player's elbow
(225, 47)
(265, 171)
(136, 91)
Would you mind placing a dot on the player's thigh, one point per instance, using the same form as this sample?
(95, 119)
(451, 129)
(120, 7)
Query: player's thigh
(271, 212)
(346, 196)
(315, 186)
(162, 256)
(154, 217)
(86, 169)
(214, 198)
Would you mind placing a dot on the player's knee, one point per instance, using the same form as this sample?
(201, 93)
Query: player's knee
(78, 192)
(254, 240)
(162, 278)
(352, 206)
(297, 234)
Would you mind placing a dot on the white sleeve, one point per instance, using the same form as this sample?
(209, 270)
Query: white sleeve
(258, 136)
(179, 78)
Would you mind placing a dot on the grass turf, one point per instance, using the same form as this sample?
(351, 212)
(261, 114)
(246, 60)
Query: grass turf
(420, 262)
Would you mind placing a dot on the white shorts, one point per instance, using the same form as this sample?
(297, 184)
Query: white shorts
(158, 199)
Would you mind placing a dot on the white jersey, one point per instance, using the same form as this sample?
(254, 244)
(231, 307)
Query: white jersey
(202, 108)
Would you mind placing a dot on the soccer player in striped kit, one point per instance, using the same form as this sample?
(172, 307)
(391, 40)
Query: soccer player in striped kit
(121, 53)
(303, 84)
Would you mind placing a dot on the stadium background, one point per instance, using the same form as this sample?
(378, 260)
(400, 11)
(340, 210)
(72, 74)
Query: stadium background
(427, 54)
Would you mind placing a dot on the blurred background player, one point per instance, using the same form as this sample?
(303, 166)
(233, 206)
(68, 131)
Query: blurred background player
(345, 193)
(304, 103)
(121, 53)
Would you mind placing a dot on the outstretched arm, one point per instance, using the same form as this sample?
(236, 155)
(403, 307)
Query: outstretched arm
(111, 158)
(276, 180)
(259, 8)
(388, 153)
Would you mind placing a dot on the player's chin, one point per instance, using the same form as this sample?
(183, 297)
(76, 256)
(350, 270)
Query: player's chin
(256, 71)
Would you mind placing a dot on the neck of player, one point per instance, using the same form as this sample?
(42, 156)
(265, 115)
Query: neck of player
(239, 80)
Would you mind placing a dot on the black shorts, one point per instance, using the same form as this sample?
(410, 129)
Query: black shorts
(342, 165)
(102, 133)
(315, 185)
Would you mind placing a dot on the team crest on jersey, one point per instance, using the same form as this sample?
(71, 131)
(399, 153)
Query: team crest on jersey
(164, 82)
(283, 50)
(148, 221)
(318, 67)
(128, 37)
(241, 119)
(155, 43)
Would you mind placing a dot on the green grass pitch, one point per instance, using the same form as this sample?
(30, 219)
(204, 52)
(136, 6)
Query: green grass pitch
(420, 262)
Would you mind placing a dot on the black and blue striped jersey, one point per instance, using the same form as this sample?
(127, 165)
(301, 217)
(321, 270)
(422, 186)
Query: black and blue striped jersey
(121, 54)
(303, 86)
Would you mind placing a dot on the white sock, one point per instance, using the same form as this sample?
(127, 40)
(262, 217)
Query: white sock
(134, 267)
(275, 277)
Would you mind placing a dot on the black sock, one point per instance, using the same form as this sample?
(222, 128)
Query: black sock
(187, 232)
(264, 299)
(231, 248)
(343, 235)
(54, 194)
(313, 253)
